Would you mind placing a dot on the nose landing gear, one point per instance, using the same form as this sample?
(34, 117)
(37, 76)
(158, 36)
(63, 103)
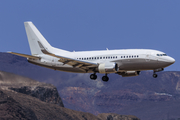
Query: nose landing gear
(155, 75)
(157, 70)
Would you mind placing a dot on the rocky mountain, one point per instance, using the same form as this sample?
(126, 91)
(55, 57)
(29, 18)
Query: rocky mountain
(142, 96)
(18, 84)
(26, 99)
(145, 98)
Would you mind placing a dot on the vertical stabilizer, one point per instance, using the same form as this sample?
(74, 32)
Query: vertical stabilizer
(37, 41)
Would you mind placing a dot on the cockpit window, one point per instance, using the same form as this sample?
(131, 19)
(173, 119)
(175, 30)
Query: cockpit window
(161, 55)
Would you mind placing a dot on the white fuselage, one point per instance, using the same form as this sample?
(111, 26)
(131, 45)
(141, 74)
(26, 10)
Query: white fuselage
(127, 60)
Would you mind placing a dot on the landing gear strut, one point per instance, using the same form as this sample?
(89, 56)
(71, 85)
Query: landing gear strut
(93, 76)
(105, 78)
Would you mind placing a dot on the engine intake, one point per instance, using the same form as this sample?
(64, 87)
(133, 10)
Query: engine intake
(108, 67)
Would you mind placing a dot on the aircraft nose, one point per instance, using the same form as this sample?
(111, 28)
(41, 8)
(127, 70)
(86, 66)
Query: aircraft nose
(171, 60)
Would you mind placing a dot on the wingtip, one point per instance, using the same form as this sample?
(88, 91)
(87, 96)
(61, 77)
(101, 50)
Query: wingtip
(9, 52)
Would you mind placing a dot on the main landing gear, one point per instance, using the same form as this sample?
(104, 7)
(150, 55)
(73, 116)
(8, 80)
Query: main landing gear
(94, 77)
(105, 78)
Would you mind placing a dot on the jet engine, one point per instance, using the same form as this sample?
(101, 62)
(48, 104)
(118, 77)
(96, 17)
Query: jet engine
(129, 73)
(109, 67)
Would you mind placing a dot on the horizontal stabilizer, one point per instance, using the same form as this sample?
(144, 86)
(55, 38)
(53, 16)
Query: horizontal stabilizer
(24, 55)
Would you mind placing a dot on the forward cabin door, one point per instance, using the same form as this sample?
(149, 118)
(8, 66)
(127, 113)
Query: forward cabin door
(148, 55)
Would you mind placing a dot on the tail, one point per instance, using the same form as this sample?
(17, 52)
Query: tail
(37, 42)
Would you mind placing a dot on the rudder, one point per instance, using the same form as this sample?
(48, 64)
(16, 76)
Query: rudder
(34, 36)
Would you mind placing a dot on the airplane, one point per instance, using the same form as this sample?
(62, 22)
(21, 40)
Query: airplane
(124, 62)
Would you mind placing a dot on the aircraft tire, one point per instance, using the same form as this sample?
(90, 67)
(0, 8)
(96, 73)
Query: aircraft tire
(105, 78)
(93, 76)
(155, 75)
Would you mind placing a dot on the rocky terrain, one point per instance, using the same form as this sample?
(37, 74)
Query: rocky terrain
(142, 96)
(24, 98)
(18, 84)
(145, 98)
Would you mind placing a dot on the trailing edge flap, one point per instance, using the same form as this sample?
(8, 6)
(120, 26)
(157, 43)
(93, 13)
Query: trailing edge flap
(24, 55)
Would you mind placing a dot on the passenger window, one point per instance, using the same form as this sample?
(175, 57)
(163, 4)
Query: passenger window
(132, 56)
(84, 58)
(129, 56)
(103, 57)
(137, 55)
(108, 57)
(126, 56)
(94, 57)
(87, 58)
(100, 57)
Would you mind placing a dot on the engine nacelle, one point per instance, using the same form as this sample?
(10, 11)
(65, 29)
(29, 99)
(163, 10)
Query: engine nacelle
(108, 67)
(129, 73)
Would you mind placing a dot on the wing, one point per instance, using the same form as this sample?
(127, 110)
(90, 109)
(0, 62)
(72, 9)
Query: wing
(24, 55)
(74, 62)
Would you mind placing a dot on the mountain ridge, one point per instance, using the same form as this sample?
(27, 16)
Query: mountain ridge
(119, 95)
(24, 98)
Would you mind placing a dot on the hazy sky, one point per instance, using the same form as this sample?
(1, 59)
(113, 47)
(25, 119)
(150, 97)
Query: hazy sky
(94, 25)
